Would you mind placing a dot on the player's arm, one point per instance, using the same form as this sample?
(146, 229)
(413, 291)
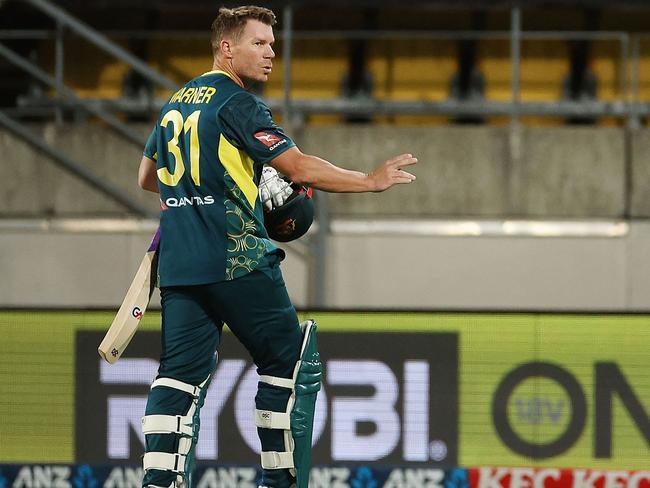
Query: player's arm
(317, 173)
(248, 123)
(147, 176)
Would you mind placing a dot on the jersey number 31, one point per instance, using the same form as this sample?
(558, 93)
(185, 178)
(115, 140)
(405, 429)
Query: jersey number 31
(191, 126)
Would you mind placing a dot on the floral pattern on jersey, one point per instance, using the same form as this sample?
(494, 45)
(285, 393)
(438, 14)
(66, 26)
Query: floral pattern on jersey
(244, 250)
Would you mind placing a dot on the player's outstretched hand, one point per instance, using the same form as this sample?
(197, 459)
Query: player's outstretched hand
(391, 173)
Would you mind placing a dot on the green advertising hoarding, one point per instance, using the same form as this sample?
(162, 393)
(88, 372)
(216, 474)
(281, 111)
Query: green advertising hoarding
(534, 389)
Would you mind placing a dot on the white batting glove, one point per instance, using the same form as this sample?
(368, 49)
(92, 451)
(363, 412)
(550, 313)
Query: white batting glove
(274, 190)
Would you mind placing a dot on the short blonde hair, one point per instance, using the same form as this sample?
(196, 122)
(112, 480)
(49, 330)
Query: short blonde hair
(232, 21)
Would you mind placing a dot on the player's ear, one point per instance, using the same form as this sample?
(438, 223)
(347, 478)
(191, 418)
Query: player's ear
(225, 46)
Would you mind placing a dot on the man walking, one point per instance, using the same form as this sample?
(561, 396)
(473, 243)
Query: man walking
(217, 265)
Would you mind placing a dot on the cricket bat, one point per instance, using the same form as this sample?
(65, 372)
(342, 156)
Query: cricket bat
(133, 306)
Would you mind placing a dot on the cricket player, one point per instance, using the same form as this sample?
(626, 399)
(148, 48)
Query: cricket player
(205, 157)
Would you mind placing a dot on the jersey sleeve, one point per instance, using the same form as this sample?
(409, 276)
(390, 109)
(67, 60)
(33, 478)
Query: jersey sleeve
(247, 123)
(150, 149)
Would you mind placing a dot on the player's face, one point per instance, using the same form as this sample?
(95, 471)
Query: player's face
(253, 54)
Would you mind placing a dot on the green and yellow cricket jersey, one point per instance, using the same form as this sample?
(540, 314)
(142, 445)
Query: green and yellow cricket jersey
(210, 143)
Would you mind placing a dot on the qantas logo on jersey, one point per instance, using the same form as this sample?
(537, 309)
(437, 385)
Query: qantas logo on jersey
(185, 201)
(270, 140)
(267, 139)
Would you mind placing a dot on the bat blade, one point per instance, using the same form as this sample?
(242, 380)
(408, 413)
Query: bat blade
(135, 303)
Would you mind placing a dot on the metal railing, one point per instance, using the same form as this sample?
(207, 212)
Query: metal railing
(628, 105)
(64, 21)
(62, 90)
(80, 171)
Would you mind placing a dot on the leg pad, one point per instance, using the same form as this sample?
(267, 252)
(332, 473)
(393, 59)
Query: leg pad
(297, 420)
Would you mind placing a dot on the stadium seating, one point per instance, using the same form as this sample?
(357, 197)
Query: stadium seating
(416, 69)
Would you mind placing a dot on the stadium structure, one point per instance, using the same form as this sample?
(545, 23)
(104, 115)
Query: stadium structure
(485, 327)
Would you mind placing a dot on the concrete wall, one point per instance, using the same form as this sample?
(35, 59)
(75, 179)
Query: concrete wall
(54, 268)
(481, 273)
(36, 187)
(463, 171)
(49, 268)
(640, 162)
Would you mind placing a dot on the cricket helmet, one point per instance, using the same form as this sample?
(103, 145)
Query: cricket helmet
(293, 218)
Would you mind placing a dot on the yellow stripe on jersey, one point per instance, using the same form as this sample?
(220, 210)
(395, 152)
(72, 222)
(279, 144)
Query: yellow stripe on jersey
(240, 168)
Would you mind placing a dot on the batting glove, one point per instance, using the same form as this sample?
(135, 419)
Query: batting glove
(274, 190)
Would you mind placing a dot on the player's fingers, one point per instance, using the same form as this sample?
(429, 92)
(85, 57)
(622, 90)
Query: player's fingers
(402, 181)
(406, 162)
(401, 174)
(396, 159)
(400, 157)
(402, 160)
(266, 199)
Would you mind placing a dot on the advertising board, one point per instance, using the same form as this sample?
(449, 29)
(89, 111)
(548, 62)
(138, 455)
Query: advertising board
(413, 389)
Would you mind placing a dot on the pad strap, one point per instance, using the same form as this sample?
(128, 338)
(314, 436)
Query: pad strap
(164, 461)
(178, 385)
(268, 419)
(167, 424)
(277, 381)
(277, 460)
